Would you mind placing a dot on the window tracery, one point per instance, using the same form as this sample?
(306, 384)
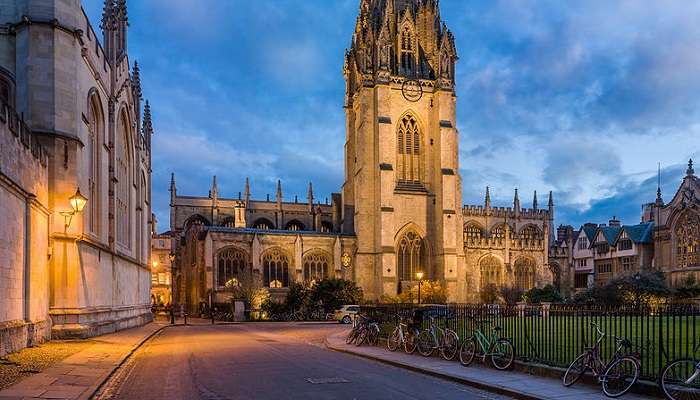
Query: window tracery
(409, 149)
(687, 232)
(412, 257)
(230, 263)
(316, 266)
(490, 268)
(524, 273)
(123, 175)
(275, 269)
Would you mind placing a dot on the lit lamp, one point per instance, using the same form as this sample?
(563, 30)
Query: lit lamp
(77, 202)
(419, 276)
(171, 256)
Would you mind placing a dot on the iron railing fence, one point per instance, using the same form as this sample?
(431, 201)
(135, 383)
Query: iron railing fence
(554, 334)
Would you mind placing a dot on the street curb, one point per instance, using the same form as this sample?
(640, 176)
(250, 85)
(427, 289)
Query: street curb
(452, 378)
(97, 387)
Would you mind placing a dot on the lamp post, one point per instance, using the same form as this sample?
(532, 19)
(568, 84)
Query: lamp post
(419, 276)
(77, 202)
(172, 288)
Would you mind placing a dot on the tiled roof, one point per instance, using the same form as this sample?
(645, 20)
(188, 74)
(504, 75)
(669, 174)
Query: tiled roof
(611, 233)
(640, 233)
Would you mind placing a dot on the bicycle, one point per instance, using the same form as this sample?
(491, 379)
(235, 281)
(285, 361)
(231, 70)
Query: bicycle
(436, 338)
(498, 348)
(363, 330)
(403, 334)
(680, 378)
(616, 377)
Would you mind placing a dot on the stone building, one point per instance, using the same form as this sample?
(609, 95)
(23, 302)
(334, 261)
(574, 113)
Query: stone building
(621, 250)
(80, 128)
(677, 233)
(399, 210)
(161, 268)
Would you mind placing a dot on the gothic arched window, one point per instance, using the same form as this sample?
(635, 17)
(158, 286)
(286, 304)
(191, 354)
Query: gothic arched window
(687, 232)
(326, 227)
(498, 233)
(195, 220)
(409, 149)
(524, 273)
(295, 225)
(530, 236)
(263, 223)
(92, 150)
(228, 222)
(407, 52)
(275, 269)
(316, 266)
(230, 263)
(490, 268)
(123, 174)
(412, 257)
(472, 234)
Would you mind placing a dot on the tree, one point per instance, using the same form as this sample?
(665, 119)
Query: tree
(511, 294)
(489, 294)
(430, 292)
(297, 297)
(548, 293)
(637, 290)
(249, 288)
(688, 289)
(333, 293)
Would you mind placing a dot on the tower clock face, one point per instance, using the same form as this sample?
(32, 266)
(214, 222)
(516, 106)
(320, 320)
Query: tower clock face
(411, 90)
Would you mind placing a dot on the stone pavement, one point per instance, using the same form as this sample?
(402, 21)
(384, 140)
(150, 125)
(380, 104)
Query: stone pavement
(512, 383)
(79, 375)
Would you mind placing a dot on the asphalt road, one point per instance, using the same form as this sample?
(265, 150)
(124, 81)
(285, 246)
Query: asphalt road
(266, 361)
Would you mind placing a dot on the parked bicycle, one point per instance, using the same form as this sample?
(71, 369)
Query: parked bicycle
(444, 340)
(498, 348)
(680, 378)
(364, 330)
(403, 335)
(616, 377)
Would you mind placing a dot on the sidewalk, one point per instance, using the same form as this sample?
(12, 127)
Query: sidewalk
(517, 384)
(79, 376)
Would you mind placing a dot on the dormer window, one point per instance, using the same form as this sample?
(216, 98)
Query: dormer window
(582, 243)
(624, 244)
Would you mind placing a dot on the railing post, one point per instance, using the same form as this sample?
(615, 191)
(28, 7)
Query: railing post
(521, 308)
(545, 308)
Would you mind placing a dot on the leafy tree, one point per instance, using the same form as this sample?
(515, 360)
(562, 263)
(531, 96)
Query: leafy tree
(548, 293)
(489, 294)
(333, 293)
(431, 292)
(511, 294)
(249, 288)
(298, 297)
(637, 290)
(688, 289)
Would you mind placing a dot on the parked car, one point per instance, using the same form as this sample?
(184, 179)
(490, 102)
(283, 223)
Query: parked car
(346, 313)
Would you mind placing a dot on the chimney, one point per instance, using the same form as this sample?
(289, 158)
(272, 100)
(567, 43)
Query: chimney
(614, 222)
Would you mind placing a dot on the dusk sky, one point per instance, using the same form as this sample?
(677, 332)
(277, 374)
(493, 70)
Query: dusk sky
(584, 98)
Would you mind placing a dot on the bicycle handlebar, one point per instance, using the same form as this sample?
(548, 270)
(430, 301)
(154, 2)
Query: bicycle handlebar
(601, 334)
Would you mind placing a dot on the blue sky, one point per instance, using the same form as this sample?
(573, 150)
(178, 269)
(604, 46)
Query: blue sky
(580, 97)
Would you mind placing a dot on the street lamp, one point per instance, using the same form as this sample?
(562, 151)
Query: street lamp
(172, 288)
(77, 202)
(419, 276)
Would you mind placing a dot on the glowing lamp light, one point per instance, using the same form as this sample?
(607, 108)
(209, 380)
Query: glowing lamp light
(172, 257)
(419, 275)
(77, 201)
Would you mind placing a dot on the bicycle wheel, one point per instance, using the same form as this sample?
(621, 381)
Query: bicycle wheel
(502, 354)
(681, 380)
(361, 337)
(425, 343)
(373, 335)
(450, 345)
(467, 351)
(393, 341)
(620, 376)
(351, 336)
(409, 344)
(576, 369)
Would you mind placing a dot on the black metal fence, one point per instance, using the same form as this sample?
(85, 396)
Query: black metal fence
(554, 334)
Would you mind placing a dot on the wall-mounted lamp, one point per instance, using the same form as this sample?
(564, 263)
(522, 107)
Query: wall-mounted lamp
(77, 202)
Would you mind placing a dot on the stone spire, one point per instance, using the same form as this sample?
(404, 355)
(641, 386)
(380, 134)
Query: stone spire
(147, 126)
(550, 202)
(214, 189)
(516, 200)
(136, 85)
(246, 193)
(310, 197)
(659, 199)
(173, 189)
(108, 16)
(279, 192)
(534, 201)
(122, 20)
(487, 200)
(690, 171)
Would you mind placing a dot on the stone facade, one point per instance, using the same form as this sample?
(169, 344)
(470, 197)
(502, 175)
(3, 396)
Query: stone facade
(82, 102)
(400, 208)
(24, 198)
(677, 233)
(161, 269)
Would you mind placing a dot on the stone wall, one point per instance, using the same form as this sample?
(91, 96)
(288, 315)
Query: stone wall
(23, 236)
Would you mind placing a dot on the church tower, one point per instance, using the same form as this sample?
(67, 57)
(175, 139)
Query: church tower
(402, 194)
